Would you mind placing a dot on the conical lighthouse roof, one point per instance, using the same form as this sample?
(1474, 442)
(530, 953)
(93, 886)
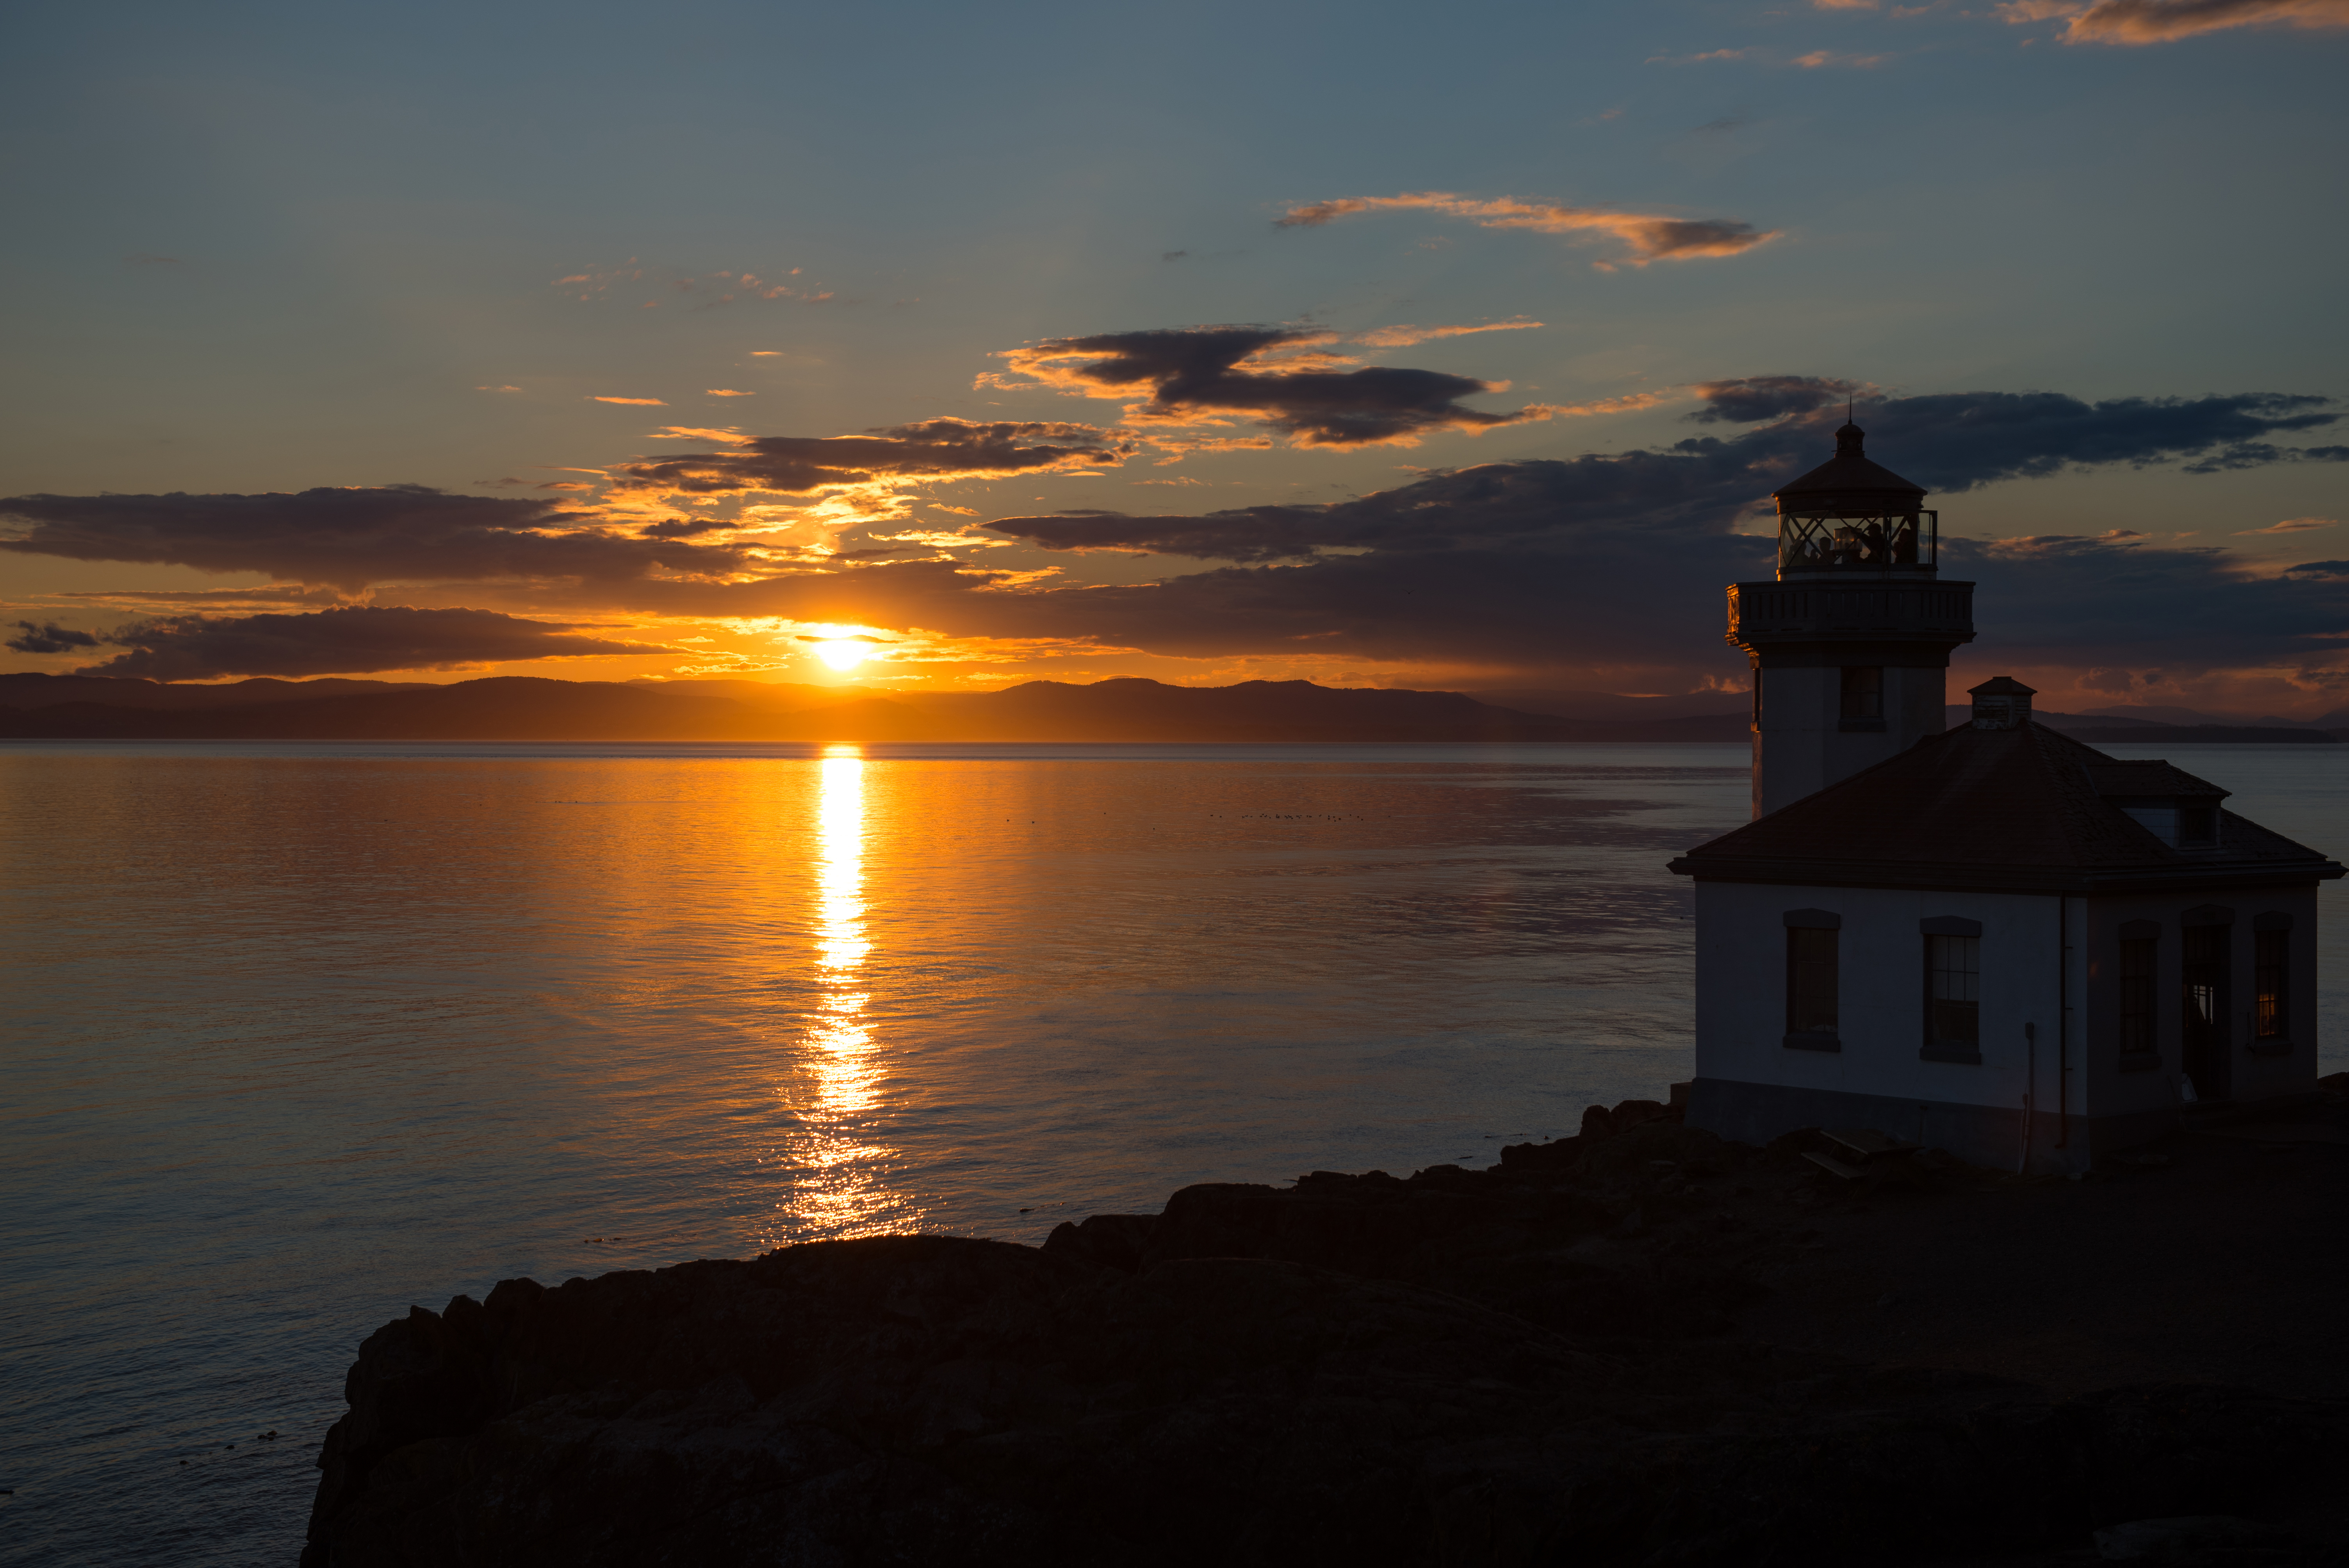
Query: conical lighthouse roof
(1850, 484)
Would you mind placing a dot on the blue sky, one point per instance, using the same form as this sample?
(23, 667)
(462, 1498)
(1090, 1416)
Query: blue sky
(279, 249)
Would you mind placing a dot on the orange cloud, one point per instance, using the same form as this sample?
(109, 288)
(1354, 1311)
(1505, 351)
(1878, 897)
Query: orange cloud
(2163, 21)
(2289, 525)
(633, 402)
(1404, 336)
(1629, 403)
(1819, 58)
(700, 433)
(727, 392)
(1646, 236)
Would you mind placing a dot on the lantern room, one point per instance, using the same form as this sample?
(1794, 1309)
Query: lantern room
(1851, 514)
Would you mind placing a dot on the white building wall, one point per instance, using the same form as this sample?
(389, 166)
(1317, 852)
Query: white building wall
(2050, 962)
(1741, 991)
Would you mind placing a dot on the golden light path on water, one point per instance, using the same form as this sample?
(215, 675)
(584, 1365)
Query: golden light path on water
(843, 1193)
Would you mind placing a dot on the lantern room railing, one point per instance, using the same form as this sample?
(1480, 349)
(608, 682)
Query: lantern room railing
(1901, 541)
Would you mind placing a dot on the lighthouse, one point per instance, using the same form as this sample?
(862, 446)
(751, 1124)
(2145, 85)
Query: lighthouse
(1991, 939)
(1850, 644)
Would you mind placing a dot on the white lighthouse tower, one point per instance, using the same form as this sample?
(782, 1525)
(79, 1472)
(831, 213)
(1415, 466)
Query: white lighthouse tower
(1850, 644)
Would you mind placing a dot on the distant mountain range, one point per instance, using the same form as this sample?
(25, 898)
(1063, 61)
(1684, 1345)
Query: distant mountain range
(45, 706)
(523, 708)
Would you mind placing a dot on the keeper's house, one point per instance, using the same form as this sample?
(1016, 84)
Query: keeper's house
(1992, 939)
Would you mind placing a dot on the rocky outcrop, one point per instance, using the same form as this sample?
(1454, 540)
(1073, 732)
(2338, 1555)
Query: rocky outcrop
(1528, 1365)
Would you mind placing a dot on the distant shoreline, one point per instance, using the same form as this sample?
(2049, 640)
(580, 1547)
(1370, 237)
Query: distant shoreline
(523, 709)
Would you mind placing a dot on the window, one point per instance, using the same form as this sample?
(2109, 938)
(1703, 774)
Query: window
(2205, 975)
(2137, 958)
(2197, 825)
(2270, 1011)
(1953, 992)
(1863, 692)
(1811, 980)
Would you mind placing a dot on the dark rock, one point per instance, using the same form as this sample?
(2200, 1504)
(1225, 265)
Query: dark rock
(2184, 1540)
(1462, 1369)
(919, 1400)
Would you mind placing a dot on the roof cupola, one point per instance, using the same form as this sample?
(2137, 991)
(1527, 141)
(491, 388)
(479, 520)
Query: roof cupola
(2001, 702)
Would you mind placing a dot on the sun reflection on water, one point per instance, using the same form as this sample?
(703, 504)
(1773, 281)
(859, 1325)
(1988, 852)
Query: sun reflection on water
(845, 1193)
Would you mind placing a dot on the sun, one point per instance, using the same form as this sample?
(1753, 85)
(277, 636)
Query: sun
(843, 653)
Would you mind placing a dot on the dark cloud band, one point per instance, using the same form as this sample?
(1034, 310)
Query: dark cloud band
(934, 450)
(1950, 442)
(1195, 375)
(355, 640)
(347, 537)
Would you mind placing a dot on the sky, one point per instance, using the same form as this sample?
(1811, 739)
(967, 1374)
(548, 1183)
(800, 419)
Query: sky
(945, 348)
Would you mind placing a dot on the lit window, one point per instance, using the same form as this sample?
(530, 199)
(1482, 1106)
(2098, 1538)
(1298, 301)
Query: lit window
(2204, 975)
(1953, 990)
(2268, 982)
(2197, 825)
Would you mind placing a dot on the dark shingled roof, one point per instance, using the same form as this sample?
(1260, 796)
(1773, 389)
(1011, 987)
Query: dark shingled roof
(2135, 780)
(2022, 811)
(1850, 471)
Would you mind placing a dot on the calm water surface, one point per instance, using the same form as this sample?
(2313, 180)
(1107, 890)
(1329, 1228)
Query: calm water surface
(299, 1035)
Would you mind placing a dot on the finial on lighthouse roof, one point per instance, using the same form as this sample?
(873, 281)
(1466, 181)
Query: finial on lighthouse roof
(1850, 483)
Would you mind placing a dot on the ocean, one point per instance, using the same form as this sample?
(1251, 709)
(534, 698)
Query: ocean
(300, 1034)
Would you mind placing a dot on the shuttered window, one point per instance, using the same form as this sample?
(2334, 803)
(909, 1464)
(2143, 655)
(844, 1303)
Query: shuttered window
(2137, 959)
(1811, 980)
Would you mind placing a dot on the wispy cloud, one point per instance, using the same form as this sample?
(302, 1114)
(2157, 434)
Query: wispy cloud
(633, 402)
(1819, 58)
(700, 433)
(701, 291)
(1699, 59)
(727, 392)
(497, 388)
(1404, 336)
(2165, 21)
(1644, 236)
(2290, 525)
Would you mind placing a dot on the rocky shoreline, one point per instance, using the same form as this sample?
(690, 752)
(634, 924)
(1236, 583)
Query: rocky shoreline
(1640, 1344)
